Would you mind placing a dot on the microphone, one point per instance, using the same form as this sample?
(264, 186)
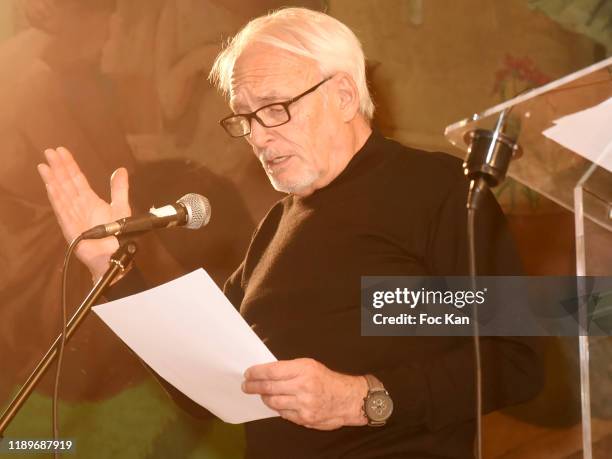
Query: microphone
(192, 211)
(489, 156)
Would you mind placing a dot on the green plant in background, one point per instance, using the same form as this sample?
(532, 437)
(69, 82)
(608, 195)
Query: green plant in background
(592, 18)
(141, 422)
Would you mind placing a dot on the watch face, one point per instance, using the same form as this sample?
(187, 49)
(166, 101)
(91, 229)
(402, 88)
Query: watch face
(379, 406)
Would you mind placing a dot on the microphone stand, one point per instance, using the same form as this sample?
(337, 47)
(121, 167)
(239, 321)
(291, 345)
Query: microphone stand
(486, 164)
(119, 261)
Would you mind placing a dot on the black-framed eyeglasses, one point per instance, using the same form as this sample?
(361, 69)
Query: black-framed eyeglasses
(271, 115)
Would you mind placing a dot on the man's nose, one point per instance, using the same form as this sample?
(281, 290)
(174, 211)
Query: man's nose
(260, 135)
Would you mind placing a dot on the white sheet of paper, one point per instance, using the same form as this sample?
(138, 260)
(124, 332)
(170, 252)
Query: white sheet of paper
(587, 132)
(192, 336)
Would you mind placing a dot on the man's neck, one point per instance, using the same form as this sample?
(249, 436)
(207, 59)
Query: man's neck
(353, 138)
(362, 133)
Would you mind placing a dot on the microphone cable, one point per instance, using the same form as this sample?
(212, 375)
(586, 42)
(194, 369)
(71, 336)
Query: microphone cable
(485, 166)
(62, 344)
(471, 217)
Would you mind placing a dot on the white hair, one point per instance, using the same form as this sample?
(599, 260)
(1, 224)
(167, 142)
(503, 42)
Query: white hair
(314, 35)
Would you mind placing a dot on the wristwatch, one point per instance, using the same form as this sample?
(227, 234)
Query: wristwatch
(377, 405)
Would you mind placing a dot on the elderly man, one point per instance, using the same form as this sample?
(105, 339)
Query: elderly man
(358, 204)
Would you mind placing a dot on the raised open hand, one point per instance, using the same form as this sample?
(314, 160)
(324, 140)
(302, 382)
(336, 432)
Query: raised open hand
(78, 208)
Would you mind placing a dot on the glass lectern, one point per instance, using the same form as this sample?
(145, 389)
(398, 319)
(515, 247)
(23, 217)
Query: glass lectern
(579, 179)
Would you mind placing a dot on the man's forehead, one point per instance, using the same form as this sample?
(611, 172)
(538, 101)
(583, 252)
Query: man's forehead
(266, 71)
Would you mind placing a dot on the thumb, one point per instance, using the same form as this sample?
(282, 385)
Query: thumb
(120, 193)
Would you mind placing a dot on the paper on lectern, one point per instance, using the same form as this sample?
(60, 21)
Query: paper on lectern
(587, 132)
(191, 335)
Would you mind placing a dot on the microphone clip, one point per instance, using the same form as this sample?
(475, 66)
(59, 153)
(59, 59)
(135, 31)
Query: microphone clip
(489, 155)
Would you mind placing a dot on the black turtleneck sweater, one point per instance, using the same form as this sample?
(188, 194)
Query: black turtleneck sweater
(392, 211)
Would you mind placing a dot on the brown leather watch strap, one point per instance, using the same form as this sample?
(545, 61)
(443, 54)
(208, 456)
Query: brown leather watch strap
(374, 385)
(377, 405)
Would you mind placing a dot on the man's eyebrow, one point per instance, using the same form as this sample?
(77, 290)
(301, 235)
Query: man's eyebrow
(260, 102)
(272, 97)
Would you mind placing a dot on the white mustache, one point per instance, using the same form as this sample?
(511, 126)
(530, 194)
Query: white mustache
(268, 155)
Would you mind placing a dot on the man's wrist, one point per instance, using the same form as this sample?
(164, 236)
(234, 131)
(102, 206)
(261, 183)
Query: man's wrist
(359, 390)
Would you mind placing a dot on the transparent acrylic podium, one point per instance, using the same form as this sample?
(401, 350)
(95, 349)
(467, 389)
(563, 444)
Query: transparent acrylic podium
(580, 184)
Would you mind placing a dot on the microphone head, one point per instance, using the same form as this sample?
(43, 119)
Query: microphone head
(198, 210)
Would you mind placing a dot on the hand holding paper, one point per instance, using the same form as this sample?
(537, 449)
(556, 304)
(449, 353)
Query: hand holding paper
(190, 334)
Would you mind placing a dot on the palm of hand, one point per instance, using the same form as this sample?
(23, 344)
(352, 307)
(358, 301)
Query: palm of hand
(95, 253)
(78, 208)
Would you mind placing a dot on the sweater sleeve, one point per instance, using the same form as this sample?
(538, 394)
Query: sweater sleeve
(233, 287)
(442, 392)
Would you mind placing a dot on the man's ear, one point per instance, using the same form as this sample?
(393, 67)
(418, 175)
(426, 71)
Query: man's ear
(348, 96)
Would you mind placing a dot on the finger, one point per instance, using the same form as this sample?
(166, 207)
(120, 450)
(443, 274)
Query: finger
(283, 369)
(55, 196)
(60, 192)
(320, 424)
(270, 387)
(63, 182)
(280, 402)
(120, 193)
(73, 172)
(297, 418)
(331, 424)
(63, 204)
(45, 173)
(58, 174)
(67, 220)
